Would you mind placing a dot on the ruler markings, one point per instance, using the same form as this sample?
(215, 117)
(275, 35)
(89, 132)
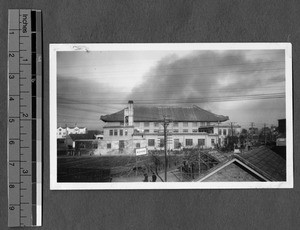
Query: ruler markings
(24, 171)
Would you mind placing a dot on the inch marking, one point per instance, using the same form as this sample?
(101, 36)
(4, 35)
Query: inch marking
(27, 44)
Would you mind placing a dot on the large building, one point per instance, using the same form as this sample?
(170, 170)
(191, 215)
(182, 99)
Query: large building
(138, 127)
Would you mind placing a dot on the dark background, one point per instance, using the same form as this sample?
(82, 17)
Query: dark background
(76, 21)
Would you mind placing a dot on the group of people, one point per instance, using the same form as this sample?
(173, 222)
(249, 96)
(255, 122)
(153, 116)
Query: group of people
(154, 177)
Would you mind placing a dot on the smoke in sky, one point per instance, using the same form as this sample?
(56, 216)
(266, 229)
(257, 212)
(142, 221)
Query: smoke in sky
(234, 83)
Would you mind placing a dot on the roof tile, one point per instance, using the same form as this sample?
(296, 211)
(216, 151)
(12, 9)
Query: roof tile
(143, 113)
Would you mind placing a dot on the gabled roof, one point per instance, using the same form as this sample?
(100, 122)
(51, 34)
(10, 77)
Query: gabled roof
(266, 162)
(76, 127)
(65, 127)
(262, 161)
(87, 136)
(144, 113)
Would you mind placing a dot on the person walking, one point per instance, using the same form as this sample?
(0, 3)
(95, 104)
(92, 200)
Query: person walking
(154, 177)
(146, 177)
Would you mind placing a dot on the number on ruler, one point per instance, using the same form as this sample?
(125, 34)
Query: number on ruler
(11, 142)
(11, 120)
(25, 114)
(11, 54)
(11, 208)
(11, 186)
(11, 76)
(11, 99)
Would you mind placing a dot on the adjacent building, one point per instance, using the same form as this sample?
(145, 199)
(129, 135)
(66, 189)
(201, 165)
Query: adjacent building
(137, 127)
(260, 164)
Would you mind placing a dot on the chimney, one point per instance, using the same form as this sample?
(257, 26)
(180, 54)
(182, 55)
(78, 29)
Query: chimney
(130, 113)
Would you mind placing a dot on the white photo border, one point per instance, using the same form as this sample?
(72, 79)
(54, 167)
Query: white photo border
(80, 47)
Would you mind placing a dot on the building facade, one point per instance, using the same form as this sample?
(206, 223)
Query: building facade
(138, 127)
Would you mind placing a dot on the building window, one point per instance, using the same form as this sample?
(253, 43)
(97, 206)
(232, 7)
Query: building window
(195, 130)
(126, 132)
(121, 145)
(111, 132)
(224, 132)
(188, 142)
(136, 124)
(208, 123)
(115, 132)
(201, 142)
(175, 124)
(175, 131)
(194, 124)
(212, 141)
(146, 131)
(138, 145)
(185, 130)
(122, 123)
(177, 144)
(121, 132)
(220, 131)
(108, 145)
(161, 142)
(156, 124)
(146, 124)
(156, 130)
(151, 142)
(185, 124)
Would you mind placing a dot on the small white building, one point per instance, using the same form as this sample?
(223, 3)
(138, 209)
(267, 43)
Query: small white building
(62, 132)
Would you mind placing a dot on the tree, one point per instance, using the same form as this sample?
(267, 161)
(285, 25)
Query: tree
(243, 136)
(230, 141)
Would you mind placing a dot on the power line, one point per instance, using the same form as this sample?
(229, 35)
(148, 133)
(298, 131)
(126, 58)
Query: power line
(188, 100)
(231, 89)
(187, 67)
(88, 74)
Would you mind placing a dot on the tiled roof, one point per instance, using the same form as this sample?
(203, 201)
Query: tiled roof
(266, 162)
(64, 127)
(217, 155)
(87, 136)
(143, 113)
(262, 160)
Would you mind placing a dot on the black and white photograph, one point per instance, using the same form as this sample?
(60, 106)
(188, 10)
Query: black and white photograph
(171, 116)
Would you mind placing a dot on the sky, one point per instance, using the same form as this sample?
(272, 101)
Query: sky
(246, 85)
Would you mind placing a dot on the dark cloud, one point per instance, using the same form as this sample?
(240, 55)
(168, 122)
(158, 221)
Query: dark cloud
(207, 74)
(207, 77)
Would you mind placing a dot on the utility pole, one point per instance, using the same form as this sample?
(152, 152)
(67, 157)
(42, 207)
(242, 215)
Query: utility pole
(165, 125)
(231, 123)
(252, 124)
(199, 163)
(265, 134)
(218, 136)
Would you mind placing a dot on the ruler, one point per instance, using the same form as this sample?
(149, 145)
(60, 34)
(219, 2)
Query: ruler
(24, 118)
